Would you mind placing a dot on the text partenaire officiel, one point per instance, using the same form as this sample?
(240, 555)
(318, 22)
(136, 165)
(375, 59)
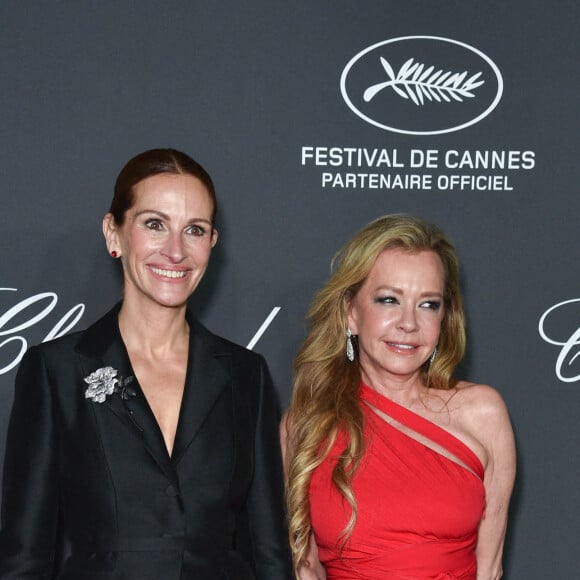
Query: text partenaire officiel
(417, 169)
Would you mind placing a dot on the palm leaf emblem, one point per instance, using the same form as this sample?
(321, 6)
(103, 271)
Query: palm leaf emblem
(416, 82)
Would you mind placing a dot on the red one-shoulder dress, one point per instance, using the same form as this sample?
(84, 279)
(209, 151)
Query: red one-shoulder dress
(420, 498)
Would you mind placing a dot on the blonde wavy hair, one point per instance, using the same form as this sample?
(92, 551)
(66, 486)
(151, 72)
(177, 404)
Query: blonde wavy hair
(325, 399)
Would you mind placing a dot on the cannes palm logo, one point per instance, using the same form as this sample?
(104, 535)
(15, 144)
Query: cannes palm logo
(421, 85)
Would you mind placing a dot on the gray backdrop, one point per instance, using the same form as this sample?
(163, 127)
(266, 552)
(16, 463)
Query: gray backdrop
(253, 91)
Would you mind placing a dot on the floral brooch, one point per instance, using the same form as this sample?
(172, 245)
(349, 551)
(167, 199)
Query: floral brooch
(104, 382)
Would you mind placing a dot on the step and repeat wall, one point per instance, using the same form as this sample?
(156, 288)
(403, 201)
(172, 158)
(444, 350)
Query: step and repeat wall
(314, 118)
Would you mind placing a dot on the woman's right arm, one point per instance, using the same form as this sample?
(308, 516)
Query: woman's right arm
(312, 569)
(30, 498)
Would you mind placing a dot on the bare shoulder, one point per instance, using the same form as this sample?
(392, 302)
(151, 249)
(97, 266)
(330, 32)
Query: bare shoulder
(479, 401)
(483, 412)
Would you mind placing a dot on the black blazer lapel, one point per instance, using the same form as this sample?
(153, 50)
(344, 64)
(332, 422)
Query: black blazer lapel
(208, 373)
(100, 346)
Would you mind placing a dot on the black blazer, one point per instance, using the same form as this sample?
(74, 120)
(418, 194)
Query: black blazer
(90, 492)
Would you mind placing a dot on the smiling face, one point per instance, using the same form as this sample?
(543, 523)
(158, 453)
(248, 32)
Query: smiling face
(397, 315)
(165, 240)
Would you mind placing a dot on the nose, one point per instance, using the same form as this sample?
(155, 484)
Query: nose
(174, 247)
(408, 319)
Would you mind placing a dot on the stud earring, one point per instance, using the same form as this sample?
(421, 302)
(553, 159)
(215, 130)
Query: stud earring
(113, 254)
(349, 346)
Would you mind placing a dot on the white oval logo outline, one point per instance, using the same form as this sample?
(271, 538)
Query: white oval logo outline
(360, 114)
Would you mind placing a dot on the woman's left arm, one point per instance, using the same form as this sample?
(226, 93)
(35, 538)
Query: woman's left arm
(266, 512)
(497, 436)
(29, 537)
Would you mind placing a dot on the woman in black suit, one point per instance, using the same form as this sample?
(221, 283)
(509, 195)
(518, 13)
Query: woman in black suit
(145, 447)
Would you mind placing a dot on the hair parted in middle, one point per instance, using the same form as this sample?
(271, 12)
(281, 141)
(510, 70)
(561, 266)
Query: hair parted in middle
(156, 162)
(325, 398)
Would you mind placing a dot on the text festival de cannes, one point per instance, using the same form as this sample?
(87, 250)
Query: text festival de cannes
(417, 169)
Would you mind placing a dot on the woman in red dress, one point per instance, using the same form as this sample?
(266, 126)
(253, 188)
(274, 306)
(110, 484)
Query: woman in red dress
(396, 470)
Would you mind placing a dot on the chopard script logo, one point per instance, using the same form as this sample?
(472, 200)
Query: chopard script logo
(12, 324)
(570, 309)
(12, 329)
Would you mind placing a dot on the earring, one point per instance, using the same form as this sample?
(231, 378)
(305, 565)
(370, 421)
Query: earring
(349, 347)
(432, 357)
(113, 254)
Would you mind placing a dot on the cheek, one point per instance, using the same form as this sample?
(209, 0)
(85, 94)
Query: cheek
(132, 242)
(200, 252)
(436, 327)
(140, 243)
(367, 320)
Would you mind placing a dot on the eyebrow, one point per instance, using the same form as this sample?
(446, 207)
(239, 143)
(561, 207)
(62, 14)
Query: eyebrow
(428, 294)
(168, 218)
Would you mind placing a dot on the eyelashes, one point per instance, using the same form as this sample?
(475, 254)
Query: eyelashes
(434, 305)
(385, 300)
(195, 230)
(154, 224)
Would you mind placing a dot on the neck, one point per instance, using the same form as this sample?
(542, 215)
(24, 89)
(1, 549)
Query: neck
(405, 391)
(153, 330)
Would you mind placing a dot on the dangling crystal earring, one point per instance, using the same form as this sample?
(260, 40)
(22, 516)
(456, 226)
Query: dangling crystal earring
(349, 347)
(432, 357)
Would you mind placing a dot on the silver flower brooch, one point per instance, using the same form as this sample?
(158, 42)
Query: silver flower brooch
(105, 382)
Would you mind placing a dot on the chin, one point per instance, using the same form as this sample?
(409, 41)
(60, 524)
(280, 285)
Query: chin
(171, 302)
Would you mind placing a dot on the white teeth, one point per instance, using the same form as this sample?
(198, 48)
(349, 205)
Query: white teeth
(402, 346)
(168, 273)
